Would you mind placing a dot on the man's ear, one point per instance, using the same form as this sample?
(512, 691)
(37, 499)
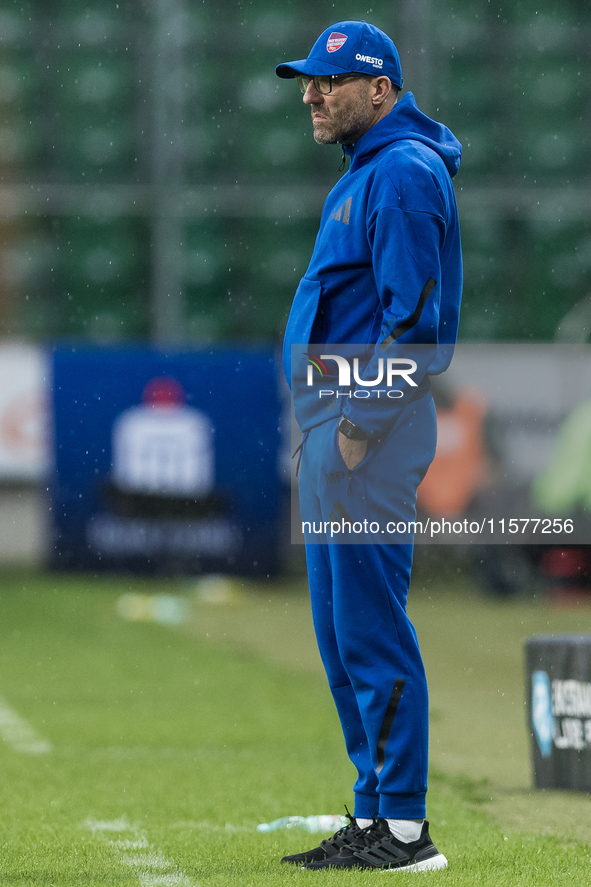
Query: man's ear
(382, 88)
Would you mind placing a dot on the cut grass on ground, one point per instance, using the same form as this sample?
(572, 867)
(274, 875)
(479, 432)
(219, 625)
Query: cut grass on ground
(169, 745)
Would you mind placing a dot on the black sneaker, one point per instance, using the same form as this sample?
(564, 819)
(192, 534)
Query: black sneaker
(330, 846)
(379, 849)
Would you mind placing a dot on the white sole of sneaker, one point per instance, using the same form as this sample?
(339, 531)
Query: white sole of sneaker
(435, 864)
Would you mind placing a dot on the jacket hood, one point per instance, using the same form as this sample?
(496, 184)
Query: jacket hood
(406, 121)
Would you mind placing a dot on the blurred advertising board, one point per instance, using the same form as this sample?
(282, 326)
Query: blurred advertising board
(24, 374)
(513, 459)
(166, 462)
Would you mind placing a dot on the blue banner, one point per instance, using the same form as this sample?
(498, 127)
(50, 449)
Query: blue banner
(166, 462)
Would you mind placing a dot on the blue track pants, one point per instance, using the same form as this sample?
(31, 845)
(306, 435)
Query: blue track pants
(358, 592)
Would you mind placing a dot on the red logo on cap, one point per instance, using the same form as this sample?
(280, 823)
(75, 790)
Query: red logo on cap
(335, 41)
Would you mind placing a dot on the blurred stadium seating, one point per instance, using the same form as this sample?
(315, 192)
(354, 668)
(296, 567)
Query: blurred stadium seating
(79, 85)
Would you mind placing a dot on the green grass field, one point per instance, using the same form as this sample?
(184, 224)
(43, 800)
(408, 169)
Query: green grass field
(136, 753)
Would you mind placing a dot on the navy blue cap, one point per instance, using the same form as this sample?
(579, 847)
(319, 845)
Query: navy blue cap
(348, 48)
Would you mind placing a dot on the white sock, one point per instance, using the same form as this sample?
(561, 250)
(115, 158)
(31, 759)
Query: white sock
(363, 823)
(405, 830)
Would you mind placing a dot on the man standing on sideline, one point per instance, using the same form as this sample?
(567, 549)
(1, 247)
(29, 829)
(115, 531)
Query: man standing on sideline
(385, 271)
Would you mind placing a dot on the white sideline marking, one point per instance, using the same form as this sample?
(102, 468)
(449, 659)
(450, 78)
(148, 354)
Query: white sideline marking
(208, 826)
(19, 734)
(150, 867)
(142, 844)
(165, 880)
(145, 861)
(114, 825)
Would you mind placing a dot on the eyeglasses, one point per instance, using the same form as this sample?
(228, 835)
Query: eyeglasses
(323, 84)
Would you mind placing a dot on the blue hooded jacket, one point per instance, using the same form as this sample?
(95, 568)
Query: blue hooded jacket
(386, 266)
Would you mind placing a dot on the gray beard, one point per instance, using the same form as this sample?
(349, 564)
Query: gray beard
(346, 137)
(347, 126)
